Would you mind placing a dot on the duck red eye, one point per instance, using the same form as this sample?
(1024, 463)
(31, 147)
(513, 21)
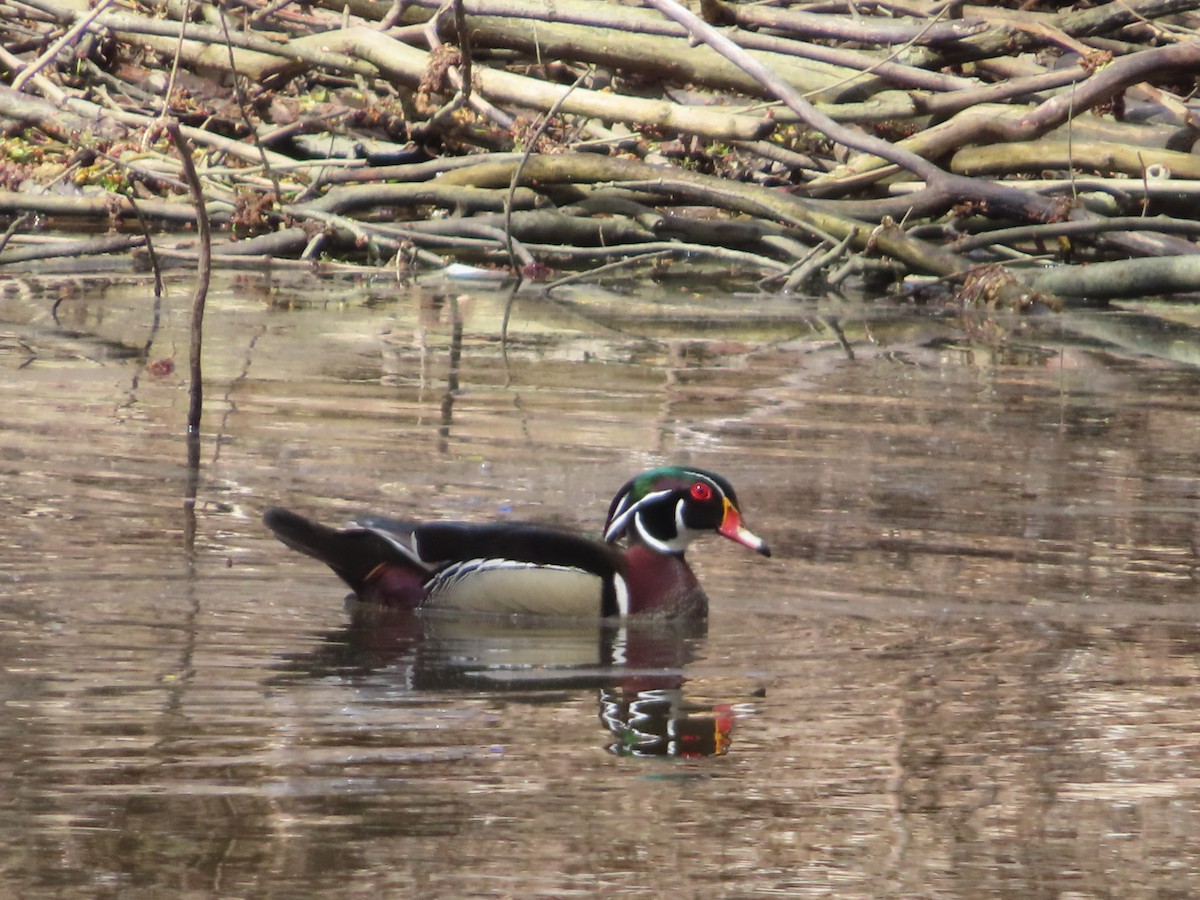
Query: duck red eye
(701, 492)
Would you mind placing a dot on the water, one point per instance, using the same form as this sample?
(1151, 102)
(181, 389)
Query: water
(969, 668)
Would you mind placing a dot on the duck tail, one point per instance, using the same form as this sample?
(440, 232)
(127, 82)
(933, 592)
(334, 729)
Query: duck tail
(355, 554)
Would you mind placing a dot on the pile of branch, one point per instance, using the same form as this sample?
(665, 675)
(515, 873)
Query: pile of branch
(1009, 154)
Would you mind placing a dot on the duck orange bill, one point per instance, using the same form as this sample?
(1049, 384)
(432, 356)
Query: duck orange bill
(731, 526)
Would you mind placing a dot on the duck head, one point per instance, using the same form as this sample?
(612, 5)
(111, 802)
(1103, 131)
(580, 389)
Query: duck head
(666, 509)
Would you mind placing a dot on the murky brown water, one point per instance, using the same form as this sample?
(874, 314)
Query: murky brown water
(970, 668)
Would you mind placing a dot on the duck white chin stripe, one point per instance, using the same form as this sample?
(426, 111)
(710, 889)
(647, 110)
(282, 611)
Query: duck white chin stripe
(648, 539)
(676, 545)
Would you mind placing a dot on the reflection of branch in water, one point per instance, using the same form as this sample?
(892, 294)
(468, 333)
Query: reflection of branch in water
(175, 726)
(517, 404)
(230, 403)
(155, 265)
(155, 324)
(835, 325)
(191, 488)
(452, 376)
(595, 321)
(15, 340)
(508, 306)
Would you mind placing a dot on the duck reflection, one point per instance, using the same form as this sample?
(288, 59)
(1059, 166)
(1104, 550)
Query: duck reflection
(660, 722)
(638, 669)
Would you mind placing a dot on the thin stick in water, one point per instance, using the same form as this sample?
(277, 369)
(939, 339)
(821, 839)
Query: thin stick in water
(203, 274)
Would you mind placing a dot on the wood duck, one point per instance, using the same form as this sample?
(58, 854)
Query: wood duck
(521, 568)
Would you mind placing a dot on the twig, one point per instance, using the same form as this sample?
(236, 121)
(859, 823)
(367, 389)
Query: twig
(811, 267)
(203, 274)
(462, 79)
(794, 100)
(155, 265)
(530, 146)
(48, 88)
(71, 35)
(1164, 224)
(636, 259)
(805, 24)
(170, 90)
(16, 225)
(243, 108)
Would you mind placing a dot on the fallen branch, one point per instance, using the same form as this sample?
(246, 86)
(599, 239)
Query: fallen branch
(1123, 278)
(1104, 157)
(397, 139)
(54, 249)
(407, 66)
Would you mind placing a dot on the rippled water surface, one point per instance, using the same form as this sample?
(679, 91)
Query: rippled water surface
(969, 669)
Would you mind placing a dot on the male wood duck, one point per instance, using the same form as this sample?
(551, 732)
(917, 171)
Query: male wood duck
(516, 567)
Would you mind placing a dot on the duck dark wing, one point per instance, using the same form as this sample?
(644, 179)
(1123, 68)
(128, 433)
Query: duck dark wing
(503, 568)
(538, 545)
(353, 553)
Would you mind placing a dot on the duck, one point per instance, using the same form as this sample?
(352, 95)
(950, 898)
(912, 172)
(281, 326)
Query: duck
(636, 569)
